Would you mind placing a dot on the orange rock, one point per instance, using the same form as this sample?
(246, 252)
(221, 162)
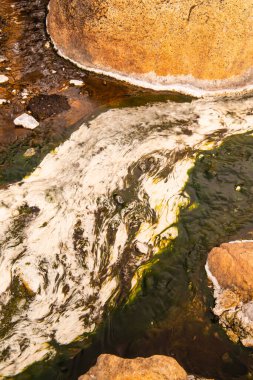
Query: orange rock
(205, 44)
(110, 367)
(232, 265)
(230, 269)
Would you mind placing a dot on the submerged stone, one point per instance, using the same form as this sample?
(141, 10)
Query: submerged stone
(30, 152)
(3, 79)
(76, 82)
(186, 45)
(44, 106)
(230, 269)
(3, 58)
(3, 101)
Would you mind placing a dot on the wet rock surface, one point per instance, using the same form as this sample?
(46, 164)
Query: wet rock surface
(111, 367)
(230, 269)
(166, 44)
(158, 367)
(33, 68)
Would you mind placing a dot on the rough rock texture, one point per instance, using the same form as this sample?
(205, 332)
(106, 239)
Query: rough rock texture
(153, 40)
(158, 367)
(110, 367)
(230, 269)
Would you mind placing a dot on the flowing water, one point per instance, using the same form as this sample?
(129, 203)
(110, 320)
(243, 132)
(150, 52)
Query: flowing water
(103, 246)
(123, 214)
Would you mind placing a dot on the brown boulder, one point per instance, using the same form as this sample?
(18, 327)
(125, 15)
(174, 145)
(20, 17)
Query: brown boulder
(110, 367)
(230, 268)
(232, 265)
(205, 44)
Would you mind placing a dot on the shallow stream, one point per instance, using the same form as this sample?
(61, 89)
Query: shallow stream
(103, 246)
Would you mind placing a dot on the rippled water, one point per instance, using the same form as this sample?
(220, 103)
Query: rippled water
(118, 210)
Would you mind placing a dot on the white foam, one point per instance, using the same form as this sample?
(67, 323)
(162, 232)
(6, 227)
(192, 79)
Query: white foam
(213, 279)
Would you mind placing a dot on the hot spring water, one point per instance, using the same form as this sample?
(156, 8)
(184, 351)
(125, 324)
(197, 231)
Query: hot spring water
(80, 231)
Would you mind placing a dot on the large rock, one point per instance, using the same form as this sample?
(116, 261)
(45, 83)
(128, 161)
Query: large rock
(166, 44)
(158, 367)
(230, 268)
(110, 367)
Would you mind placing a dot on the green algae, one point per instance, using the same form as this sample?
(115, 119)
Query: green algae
(21, 294)
(15, 166)
(20, 299)
(15, 234)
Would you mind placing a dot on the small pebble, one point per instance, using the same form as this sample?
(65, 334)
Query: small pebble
(26, 121)
(3, 101)
(2, 58)
(3, 79)
(142, 247)
(119, 199)
(238, 188)
(30, 152)
(25, 94)
(226, 358)
(76, 82)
